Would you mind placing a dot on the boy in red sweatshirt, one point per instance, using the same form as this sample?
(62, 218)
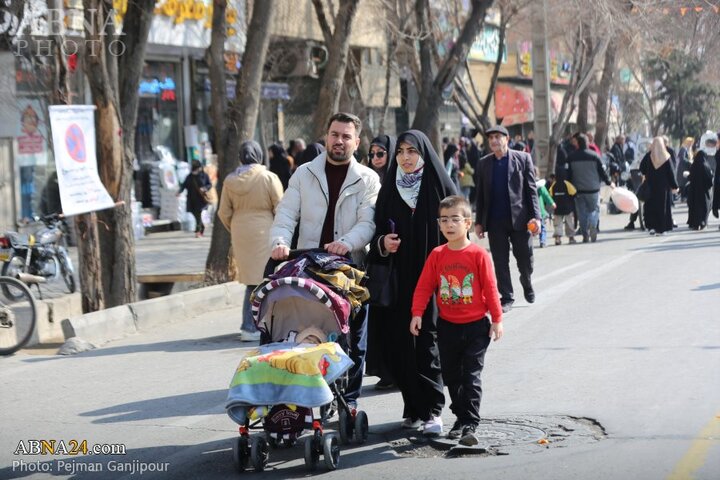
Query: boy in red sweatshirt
(467, 293)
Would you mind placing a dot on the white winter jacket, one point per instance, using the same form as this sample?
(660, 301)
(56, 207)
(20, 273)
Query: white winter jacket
(306, 201)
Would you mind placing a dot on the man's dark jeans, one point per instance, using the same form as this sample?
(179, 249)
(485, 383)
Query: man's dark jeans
(500, 236)
(357, 340)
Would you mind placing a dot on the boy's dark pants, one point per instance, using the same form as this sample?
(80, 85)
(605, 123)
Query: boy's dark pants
(462, 357)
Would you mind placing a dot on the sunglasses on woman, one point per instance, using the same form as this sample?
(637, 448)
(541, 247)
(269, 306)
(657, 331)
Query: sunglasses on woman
(379, 154)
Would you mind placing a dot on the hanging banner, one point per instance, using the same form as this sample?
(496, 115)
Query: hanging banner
(73, 134)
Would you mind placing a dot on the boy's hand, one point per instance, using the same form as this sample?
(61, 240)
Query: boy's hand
(415, 325)
(496, 331)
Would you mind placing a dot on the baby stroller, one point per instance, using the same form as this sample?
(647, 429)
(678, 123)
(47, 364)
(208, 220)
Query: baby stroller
(300, 365)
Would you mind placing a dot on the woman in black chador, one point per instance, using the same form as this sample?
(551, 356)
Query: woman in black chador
(406, 230)
(700, 183)
(660, 177)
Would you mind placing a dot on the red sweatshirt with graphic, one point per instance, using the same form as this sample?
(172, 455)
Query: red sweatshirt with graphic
(464, 282)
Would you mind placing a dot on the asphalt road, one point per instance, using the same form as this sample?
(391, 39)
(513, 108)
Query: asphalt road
(624, 333)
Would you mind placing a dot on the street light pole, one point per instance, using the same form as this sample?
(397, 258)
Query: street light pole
(541, 87)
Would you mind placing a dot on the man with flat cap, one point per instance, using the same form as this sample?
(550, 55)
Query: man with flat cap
(507, 202)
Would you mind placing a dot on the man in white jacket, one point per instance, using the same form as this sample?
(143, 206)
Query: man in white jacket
(332, 202)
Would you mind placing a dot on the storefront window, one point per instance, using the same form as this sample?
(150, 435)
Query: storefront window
(158, 119)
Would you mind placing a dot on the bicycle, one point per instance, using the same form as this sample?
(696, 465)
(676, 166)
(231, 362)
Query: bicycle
(18, 315)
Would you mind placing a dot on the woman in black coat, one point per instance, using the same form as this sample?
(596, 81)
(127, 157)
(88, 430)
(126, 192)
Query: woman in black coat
(197, 185)
(382, 151)
(700, 182)
(406, 223)
(660, 177)
(280, 164)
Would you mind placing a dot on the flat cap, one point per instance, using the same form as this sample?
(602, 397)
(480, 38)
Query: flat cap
(497, 129)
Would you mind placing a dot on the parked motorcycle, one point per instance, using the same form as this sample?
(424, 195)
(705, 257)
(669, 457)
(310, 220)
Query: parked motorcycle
(35, 258)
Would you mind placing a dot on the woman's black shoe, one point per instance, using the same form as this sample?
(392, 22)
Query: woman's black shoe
(383, 384)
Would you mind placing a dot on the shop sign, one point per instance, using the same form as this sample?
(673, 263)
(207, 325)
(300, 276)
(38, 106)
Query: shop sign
(154, 87)
(73, 133)
(275, 91)
(486, 46)
(188, 23)
(560, 65)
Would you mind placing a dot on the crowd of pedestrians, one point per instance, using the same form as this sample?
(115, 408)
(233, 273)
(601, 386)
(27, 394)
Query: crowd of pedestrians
(410, 207)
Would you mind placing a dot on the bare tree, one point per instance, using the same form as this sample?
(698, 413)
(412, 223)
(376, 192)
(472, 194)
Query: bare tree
(338, 45)
(236, 123)
(433, 84)
(113, 68)
(466, 95)
(603, 95)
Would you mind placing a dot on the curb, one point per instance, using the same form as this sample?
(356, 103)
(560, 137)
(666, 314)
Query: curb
(118, 322)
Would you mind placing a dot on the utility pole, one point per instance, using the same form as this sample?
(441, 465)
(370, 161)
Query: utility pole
(541, 87)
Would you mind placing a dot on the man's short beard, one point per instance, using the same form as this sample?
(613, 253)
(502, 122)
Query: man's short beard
(342, 158)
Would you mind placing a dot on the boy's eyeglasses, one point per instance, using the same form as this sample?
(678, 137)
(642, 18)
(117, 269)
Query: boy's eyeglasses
(379, 154)
(455, 220)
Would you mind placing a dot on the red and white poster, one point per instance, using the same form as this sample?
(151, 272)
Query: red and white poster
(32, 137)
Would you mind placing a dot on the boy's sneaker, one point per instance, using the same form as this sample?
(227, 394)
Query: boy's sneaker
(456, 431)
(558, 241)
(433, 427)
(572, 240)
(411, 424)
(469, 437)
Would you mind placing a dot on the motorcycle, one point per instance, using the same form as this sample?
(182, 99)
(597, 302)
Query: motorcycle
(36, 258)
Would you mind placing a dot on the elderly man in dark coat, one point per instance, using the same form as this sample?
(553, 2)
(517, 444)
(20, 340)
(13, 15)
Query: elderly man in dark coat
(507, 201)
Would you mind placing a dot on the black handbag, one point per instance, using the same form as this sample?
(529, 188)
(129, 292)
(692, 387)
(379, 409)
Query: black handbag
(381, 283)
(643, 192)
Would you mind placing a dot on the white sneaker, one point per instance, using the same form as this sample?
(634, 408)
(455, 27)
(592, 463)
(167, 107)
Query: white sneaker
(411, 424)
(434, 426)
(246, 336)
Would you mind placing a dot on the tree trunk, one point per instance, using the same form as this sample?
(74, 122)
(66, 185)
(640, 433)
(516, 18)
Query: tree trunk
(115, 94)
(431, 98)
(334, 75)
(242, 117)
(582, 116)
(91, 293)
(603, 96)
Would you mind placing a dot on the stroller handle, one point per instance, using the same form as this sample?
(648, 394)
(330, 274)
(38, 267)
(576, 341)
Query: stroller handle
(272, 264)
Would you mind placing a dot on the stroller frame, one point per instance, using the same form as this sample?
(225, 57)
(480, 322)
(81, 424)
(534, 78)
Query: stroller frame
(352, 423)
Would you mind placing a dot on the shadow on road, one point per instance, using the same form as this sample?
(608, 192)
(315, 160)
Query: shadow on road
(219, 342)
(185, 405)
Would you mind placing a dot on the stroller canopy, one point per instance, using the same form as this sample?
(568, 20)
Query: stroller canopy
(294, 304)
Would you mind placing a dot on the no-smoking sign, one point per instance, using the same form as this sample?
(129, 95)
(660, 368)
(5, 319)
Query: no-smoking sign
(75, 143)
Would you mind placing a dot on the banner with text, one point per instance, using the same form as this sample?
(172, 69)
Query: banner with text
(73, 134)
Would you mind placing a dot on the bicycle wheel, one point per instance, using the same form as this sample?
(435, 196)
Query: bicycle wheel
(18, 314)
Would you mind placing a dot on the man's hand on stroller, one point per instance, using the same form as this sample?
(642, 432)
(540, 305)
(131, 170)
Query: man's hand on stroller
(415, 325)
(280, 252)
(337, 248)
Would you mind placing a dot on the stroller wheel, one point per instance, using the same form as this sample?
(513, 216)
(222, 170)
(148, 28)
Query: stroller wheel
(345, 426)
(360, 433)
(312, 452)
(331, 451)
(259, 453)
(241, 453)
